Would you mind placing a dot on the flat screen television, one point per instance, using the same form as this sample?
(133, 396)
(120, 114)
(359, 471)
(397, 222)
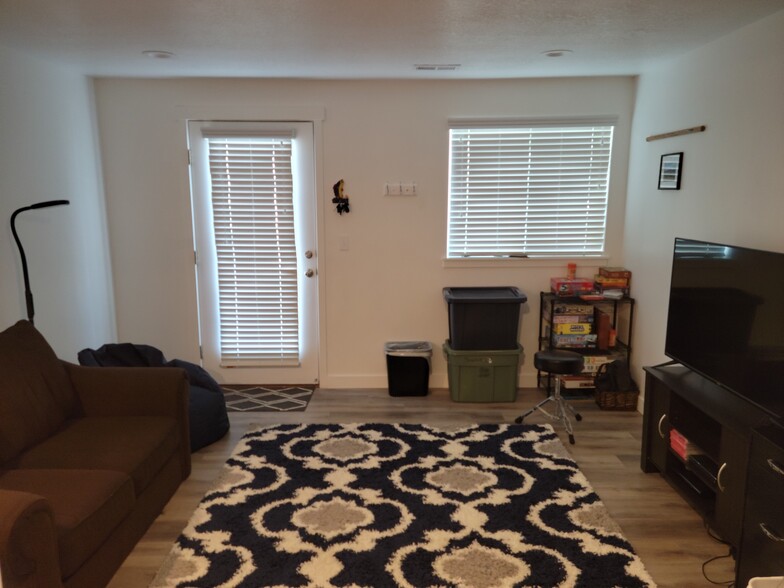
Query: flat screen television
(726, 319)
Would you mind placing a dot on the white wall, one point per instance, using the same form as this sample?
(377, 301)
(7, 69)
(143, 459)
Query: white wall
(733, 175)
(48, 151)
(388, 285)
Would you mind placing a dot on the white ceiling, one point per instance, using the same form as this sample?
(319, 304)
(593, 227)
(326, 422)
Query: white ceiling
(368, 38)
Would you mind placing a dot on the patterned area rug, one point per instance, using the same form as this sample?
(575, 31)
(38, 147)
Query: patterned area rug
(248, 398)
(402, 505)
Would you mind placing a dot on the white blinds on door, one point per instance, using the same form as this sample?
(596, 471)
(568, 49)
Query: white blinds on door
(528, 191)
(253, 218)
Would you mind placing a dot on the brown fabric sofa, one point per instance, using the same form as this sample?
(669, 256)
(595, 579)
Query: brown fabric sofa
(88, 459)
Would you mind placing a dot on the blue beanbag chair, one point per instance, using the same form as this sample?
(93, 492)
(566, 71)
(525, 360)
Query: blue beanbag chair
(207, 407)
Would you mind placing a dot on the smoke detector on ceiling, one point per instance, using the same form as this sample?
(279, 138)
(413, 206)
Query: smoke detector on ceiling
(157, 54)
(556, 52)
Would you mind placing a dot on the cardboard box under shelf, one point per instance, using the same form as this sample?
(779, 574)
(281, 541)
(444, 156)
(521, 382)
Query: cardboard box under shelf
(577, 382)
(577, 387)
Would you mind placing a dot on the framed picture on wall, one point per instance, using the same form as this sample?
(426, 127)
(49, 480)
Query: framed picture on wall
(670, 171)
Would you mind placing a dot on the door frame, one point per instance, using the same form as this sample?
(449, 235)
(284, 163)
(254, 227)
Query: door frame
(272, 112)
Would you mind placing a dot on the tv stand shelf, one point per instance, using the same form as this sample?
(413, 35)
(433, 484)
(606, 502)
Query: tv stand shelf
(706, 458)
(715, 402)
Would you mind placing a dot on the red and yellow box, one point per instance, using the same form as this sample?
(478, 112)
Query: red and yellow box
(567, 287)
(611, 282)
(615, 272)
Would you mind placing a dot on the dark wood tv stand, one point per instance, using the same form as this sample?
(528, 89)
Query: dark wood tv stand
(719, 427)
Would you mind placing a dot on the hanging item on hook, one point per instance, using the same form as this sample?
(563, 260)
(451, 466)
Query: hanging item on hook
(340, 200)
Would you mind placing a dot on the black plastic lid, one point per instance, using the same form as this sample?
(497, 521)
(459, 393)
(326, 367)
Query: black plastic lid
(485, 294)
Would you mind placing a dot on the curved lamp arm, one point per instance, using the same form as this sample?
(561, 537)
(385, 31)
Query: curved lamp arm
(28, 293)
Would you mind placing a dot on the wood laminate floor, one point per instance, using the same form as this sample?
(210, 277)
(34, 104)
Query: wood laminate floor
(667, 534)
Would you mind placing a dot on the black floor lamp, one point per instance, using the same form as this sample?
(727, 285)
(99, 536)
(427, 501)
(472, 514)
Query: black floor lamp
(28, 293)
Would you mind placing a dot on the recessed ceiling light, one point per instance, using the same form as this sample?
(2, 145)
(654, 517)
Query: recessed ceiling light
(556, 52)
(437, 66)
(155, 54)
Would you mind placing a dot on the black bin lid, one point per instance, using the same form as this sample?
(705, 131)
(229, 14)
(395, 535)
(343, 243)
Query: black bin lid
(484, 294)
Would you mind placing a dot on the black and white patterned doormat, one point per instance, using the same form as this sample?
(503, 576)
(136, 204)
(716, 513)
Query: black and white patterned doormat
(256, 398)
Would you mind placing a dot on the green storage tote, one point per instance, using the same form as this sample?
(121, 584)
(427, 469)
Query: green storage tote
(482, 376)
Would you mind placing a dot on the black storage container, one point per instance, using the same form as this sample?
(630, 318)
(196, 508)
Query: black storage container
(408, 367)
(484, 317)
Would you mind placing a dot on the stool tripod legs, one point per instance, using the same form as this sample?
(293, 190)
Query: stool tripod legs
(557, 362)
(562, 410)
(563, 416)
(530, 411)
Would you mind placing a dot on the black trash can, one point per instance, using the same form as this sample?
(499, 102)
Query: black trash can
(484, 317)
(408, 367)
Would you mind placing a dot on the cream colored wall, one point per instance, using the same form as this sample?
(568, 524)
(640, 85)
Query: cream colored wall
(387, 285)
(48, 151)
(733, 174)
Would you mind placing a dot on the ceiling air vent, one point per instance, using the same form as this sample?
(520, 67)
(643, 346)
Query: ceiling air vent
(437, 66)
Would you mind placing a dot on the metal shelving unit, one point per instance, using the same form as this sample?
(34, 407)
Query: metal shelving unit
(621, 315)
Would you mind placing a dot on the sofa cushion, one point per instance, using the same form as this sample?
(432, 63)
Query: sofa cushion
(36, 395)
(138, 446)
(87, 504)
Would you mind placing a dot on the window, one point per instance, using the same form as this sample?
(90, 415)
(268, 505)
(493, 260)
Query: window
(528, 190)
(253, 220)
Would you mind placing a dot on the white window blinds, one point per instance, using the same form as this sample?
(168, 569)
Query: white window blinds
(535, 191)
(253, 216)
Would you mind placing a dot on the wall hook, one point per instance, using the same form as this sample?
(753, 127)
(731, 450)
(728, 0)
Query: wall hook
(340, 200)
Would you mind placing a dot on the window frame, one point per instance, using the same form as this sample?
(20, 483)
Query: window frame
(535, 258)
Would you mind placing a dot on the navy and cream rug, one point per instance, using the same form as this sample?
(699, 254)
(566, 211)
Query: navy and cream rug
(402, 505)
(255, 398)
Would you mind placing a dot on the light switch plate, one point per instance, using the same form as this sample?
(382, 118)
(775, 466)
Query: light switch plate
(392, 188)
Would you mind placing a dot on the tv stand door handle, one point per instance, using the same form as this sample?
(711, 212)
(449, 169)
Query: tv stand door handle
(718, 476)
(771, 534)
(778, 468)
(661, 422)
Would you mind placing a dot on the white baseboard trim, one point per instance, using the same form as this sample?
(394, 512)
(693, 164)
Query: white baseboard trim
(437, 380)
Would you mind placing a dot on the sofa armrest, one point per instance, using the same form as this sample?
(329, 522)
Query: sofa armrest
(28, 541)
(135, 391)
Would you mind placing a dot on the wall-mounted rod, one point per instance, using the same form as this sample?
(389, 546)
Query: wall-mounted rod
(699, 129)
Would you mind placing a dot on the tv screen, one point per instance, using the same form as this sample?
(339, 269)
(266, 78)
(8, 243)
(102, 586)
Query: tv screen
(726, 318)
